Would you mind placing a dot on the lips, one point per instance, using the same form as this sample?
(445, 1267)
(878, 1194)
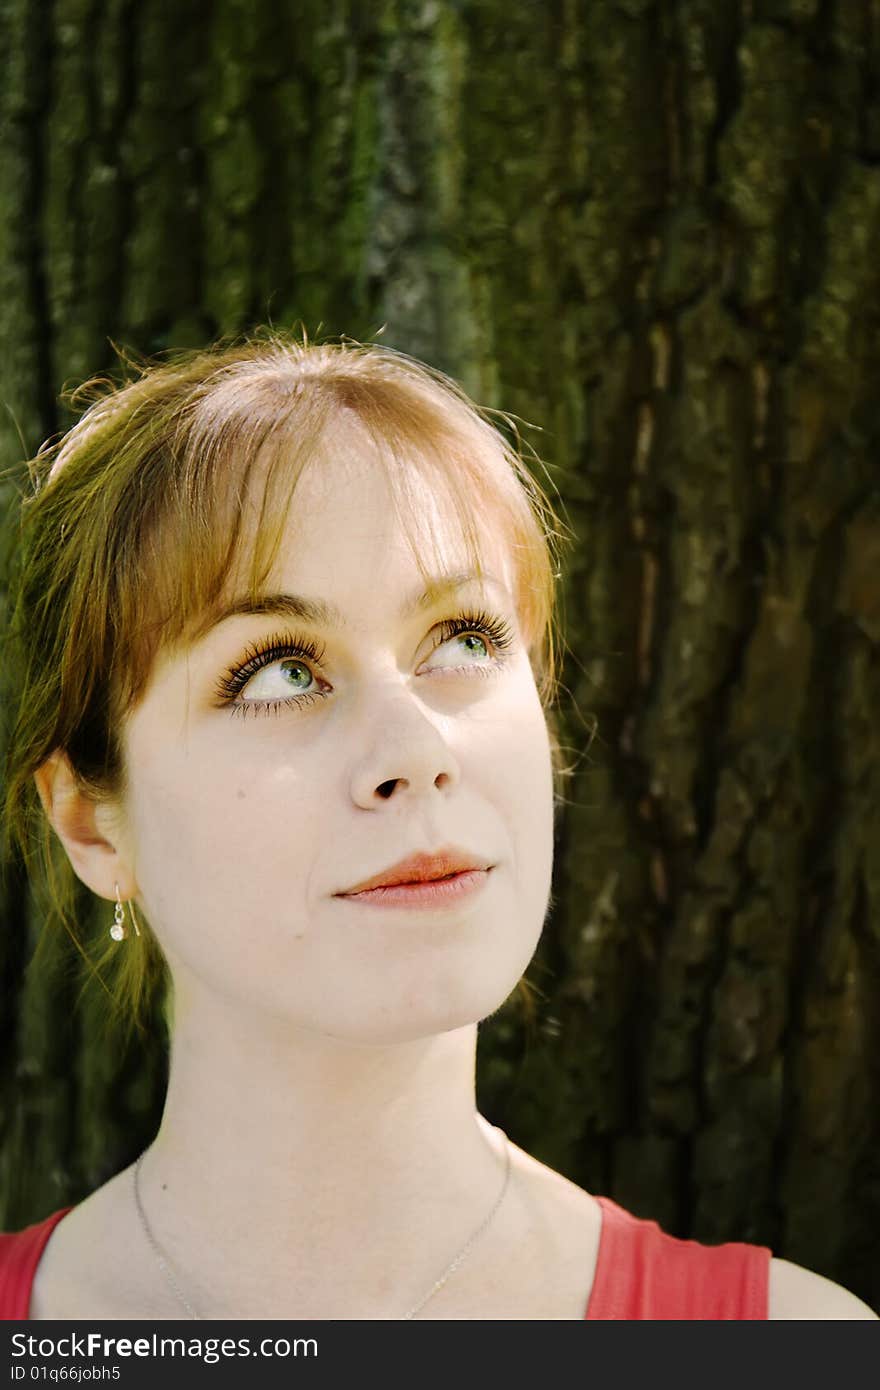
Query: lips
(421, 868)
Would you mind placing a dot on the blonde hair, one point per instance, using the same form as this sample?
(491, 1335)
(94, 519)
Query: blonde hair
(125, 548)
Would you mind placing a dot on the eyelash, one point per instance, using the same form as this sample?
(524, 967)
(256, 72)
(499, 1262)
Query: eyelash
(279, 645)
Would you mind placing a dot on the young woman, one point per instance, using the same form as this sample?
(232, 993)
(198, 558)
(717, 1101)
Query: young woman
(289, 616)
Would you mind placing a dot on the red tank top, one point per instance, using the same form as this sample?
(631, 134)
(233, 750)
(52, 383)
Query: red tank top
(641, 1272)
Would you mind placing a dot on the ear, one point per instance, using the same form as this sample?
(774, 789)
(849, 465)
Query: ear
(88, 830)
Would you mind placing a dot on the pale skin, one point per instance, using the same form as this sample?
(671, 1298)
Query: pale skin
(320, 1153)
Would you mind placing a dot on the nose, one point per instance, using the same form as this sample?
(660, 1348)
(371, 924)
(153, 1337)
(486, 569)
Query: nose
(404, 754)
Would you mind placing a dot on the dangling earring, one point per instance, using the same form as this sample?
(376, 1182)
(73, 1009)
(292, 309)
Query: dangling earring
(117, 931)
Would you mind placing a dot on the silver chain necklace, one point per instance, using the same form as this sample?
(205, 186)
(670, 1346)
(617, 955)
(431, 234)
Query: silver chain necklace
(450, 1269)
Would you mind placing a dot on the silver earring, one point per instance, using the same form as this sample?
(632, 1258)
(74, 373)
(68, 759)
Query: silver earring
(117, 931)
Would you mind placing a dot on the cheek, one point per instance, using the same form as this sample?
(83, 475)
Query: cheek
(521, 742)
(225, 880)
(175, 820)
(534, 765)
(217, 845)
(516, 773)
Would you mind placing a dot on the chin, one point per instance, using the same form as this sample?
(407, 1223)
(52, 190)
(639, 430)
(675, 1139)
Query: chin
(425, 1011)
(398, 1032)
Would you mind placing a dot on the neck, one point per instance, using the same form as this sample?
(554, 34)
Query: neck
(298, 1175)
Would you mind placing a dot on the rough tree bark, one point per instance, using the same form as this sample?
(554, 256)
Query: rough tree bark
(651, 228)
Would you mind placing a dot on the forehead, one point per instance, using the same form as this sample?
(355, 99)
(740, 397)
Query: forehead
(354, 501)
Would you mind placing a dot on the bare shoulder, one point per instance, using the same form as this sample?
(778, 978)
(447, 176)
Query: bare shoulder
(570, 1208)
(798, 1293)
(88, 1267)
(555, 1230)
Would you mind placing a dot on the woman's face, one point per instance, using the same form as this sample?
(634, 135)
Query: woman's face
(247, 817)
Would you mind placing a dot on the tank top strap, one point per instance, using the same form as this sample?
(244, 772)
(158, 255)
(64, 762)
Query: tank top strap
(643, 1273)
(20, 1253)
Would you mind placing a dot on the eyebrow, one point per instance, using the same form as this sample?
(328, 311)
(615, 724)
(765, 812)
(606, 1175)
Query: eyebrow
(320, 613)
